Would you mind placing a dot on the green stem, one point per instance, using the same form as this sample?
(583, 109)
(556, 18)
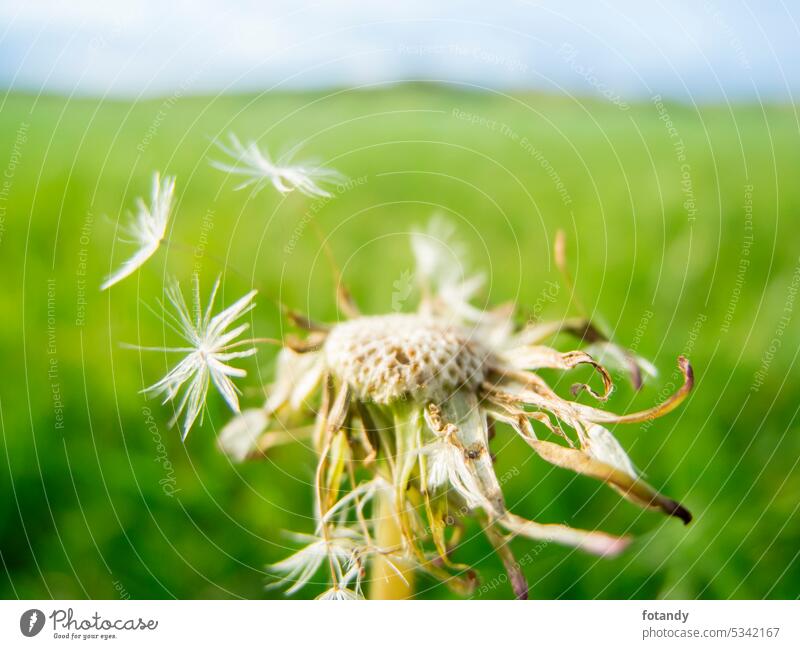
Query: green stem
(385, 582)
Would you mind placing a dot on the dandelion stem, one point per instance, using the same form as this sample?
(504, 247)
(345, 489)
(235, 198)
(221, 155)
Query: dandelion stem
(386, 583)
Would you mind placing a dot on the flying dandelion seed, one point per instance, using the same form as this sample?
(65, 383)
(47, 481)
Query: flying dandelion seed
(211, 344)
(410, 399)
(258, 169)
(147, 229)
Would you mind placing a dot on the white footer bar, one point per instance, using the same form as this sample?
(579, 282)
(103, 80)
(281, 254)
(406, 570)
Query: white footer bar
(385, 625)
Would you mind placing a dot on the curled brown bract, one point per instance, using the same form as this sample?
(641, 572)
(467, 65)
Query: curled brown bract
(665, 407)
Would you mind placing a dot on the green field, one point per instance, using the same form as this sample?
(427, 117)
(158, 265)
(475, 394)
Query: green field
(682, 224)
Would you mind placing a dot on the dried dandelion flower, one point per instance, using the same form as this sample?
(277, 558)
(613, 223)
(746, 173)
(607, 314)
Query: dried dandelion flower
(403, 408)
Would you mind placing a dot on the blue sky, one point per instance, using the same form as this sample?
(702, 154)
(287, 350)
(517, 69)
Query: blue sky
(701, 50)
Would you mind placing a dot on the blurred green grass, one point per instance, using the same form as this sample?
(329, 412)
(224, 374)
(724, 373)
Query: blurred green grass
(86, 512)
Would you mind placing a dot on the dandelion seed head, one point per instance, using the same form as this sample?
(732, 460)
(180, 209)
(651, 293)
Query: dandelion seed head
(385, 358)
